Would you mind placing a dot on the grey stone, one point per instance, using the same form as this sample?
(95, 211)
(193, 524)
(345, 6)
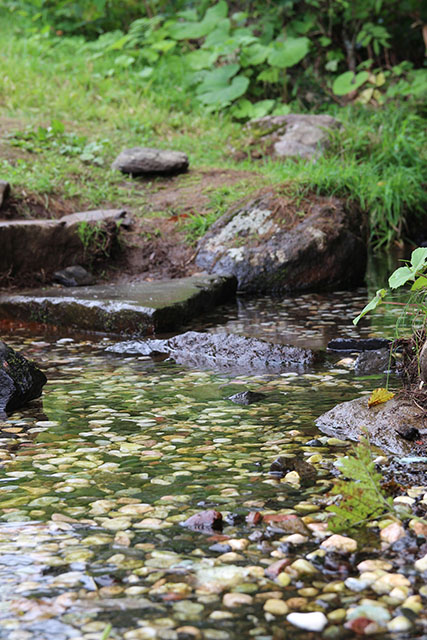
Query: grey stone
(295, 134)
(247, 397)
(349, 345)
(138, 308)
(30, 247)
(257, 244)
(384, 423)
(20, 380)
(145, 160)
(4, 192)
(73, 276)
(223, 351)
(377, 361)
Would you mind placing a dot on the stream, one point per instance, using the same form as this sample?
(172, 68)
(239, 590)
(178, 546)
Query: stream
(97, 478)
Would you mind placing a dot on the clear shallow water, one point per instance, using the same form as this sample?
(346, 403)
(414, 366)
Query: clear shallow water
(97, 478)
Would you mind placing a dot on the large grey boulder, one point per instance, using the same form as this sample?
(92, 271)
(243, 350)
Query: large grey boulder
(32, 247)
(222, 351)
(147, 161)
(294, 134)
(20, 380)
(269, 248)
(4, 192)
(396, 426)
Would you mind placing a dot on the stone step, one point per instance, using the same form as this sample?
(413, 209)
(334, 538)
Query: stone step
(138, 309)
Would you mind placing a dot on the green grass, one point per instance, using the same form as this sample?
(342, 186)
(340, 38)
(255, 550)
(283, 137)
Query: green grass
(379, 160)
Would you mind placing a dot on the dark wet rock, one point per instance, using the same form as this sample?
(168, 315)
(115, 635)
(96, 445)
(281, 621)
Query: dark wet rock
(20, 380)
(295, 134)
(138, 309)
(268, 252)
(314, 443)
(74, 276)
(223, 351)
(147, 161)
(358, 344)
(370, 361)
(382, 422)
(205, 520)
(234, 518)
(4, 192)
(408, 431)
(281, 466)
(247, 397)
(39, 247)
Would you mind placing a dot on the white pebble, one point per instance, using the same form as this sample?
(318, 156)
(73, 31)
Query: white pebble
(313, 621)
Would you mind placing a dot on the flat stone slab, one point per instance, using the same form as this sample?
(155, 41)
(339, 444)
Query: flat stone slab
(134, 309)
(148, 161)
(395, 426)
(29, 247)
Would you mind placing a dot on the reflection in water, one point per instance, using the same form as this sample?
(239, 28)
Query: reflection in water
(97, 478)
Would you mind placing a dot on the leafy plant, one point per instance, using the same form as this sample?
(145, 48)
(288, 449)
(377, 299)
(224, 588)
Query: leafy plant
(416, 272)
(95, 240)
(55, 138)
(361, 496)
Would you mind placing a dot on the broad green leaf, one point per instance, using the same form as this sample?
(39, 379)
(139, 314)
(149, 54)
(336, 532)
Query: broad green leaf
(419, 258)
(373, 304)
(218, 35)
(282, 110)
(419, 283)
(254, 55)
(218, 78)
(262, 108)
(146, 72)
(288, 53)
(242, 109)
(196, 30)
(200, 59)
(349, 81)
(118, 44)
(164, 45)
(270, 75)
(222, 96)
(400, 277)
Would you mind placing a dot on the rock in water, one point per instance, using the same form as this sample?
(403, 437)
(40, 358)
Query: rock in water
(20, 380)
(147, 161)
(223, 351)
(271, 250)
(313, 621)
(205, 520)
(247, 397)
(385, 424)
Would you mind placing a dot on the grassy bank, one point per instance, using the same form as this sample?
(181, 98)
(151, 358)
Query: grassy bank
(66, 110)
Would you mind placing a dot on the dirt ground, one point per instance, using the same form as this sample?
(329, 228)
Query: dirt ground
(156, 243)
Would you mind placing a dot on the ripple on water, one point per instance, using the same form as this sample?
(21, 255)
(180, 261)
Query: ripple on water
(97, 479)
